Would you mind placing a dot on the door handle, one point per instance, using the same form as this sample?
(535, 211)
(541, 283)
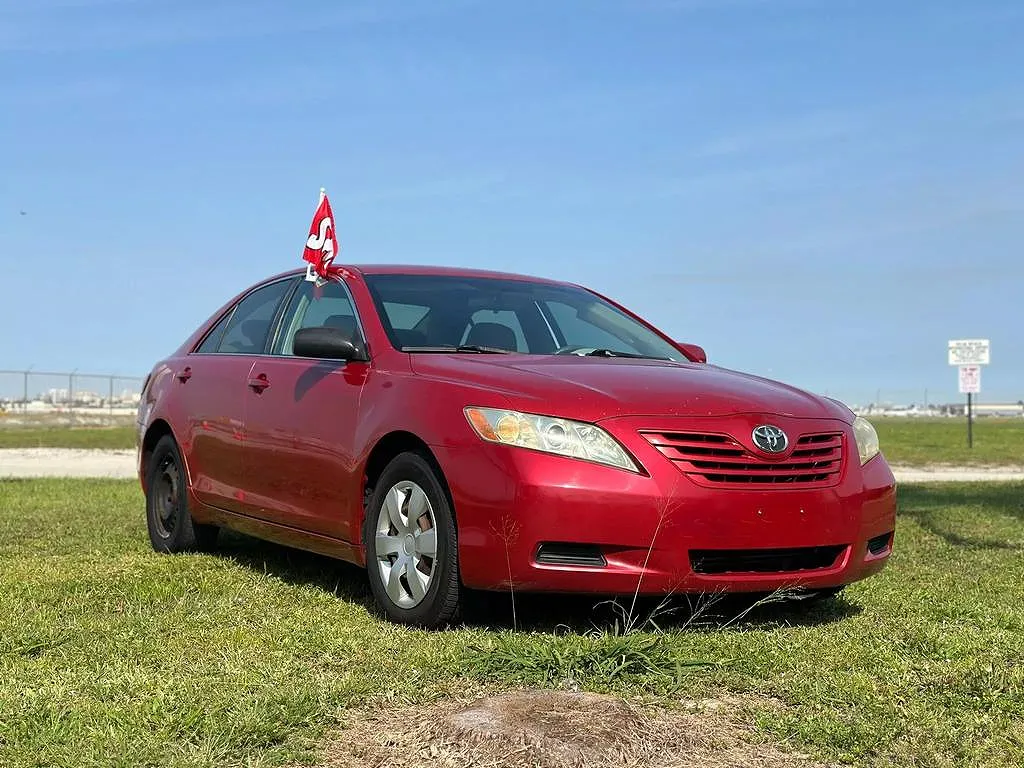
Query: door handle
(259, 383)
(184, 375)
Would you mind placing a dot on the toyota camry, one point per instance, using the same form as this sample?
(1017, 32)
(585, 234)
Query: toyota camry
(452, 429)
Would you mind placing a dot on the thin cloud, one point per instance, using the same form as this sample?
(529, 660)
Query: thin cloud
(719, 6)
(428, 189)
(44, 94)
(799, 131)
(138, 25)
(804, 276)
(35, 6)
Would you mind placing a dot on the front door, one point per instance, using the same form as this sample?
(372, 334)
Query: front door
(301, 420)
(212, 383)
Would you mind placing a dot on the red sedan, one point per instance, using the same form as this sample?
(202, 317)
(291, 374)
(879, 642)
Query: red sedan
(454, 428)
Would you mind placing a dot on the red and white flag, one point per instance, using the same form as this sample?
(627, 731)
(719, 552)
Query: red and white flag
(322, 244)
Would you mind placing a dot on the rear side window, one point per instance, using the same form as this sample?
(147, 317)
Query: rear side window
(250, 324)
(579, 331)
(404, 317)
(331, 308)
(212, 340)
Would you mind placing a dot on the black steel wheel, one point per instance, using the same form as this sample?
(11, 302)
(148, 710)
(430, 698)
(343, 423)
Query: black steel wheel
(170, 524)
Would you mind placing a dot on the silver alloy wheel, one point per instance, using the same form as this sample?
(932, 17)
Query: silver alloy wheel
(406, 544)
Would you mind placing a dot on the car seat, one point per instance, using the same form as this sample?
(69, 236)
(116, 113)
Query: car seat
(492, 335)
(344, 323)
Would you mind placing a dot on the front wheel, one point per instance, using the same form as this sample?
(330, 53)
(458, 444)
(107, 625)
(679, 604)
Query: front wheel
(411, 548)
(171, 528)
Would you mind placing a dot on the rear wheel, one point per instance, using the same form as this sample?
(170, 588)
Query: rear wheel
(411, 547)
(171, 528)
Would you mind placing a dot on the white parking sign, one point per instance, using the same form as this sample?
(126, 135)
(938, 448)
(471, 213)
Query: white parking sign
(968, 352)
(970, 379)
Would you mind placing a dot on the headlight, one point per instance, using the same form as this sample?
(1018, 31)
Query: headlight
(575, 439)
(866, 438)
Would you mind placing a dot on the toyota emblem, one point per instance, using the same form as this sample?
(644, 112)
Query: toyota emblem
(770, 439)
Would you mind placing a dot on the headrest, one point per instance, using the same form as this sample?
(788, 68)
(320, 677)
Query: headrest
(255, 331)
(344, 323)
(492, 335)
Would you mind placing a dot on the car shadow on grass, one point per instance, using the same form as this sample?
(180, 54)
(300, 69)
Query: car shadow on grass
(297, 567)
(543, 612)
(929, 506)
(576, 613)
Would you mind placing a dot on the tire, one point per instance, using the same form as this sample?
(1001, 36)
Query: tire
(414, 576)
(170, 524)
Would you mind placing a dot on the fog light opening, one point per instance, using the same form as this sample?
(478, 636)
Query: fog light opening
(567, 553)
(880, 544)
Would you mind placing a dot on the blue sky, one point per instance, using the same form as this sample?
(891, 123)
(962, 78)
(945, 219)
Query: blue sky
(823, 191)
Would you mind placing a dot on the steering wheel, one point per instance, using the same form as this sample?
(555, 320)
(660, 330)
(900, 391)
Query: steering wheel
(573, 349)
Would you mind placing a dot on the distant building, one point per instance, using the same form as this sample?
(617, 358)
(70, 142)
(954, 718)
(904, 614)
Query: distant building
(980, 410)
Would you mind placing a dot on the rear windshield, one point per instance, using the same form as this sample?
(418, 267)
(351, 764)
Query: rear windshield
(437, 312)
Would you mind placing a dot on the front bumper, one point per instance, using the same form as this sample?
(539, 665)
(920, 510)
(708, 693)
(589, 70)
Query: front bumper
(661, 531)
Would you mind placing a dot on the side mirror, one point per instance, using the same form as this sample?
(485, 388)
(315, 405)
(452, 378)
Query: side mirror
(693, 351)
(327, 344)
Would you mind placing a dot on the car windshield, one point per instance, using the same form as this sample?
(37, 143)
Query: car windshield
(438, 313)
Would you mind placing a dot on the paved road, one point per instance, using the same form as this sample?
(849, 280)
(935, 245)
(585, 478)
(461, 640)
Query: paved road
(67, 462)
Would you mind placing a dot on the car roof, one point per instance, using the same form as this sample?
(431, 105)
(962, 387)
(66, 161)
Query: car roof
(426, 269)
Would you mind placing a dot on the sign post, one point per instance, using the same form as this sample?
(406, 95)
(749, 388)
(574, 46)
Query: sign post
(969, 355)
(970, 384)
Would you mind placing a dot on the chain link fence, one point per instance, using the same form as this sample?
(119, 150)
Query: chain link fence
(925, 403)
(57, 397)
(76, 397)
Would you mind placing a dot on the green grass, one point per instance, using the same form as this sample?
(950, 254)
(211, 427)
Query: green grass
(919, 442)
(67, 437)
(112, 655)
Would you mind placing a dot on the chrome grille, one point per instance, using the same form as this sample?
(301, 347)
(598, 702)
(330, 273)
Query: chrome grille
(718, 459)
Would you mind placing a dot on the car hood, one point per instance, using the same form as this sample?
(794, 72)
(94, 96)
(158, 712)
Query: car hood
(592, 389)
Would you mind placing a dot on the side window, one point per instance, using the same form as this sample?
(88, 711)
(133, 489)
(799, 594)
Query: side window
(332, 308)
(250, 324)
(404, 317)
(495, 328)
(407, 323)
(580, 333)
(212, 340)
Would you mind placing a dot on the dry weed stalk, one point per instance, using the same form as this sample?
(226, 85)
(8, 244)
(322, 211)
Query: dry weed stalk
(508, 532)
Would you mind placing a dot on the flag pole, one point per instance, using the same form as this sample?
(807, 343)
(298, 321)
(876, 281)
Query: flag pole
(323, 194)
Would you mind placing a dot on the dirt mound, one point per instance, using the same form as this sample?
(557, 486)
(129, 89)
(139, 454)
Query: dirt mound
(554, 729)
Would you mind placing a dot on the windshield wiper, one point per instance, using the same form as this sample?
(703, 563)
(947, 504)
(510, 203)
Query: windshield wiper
(476, 348)
(482, 349)
(615, 353)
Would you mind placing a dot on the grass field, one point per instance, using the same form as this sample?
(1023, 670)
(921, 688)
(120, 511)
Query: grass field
(904, 441)
(112, 655)
(67, 437)
(944, 441)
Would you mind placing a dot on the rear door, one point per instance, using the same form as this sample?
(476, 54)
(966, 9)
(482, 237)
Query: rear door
(212, 385)
(301, 419)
